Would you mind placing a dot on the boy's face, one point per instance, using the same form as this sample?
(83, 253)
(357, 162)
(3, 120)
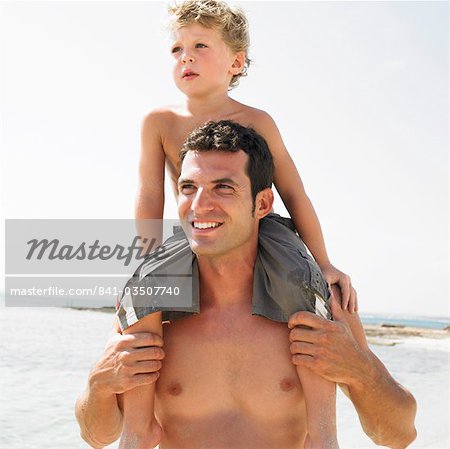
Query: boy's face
(203, 61)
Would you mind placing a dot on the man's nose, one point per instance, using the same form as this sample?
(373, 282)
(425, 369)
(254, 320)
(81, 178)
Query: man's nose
(202, 201)
(186, 57)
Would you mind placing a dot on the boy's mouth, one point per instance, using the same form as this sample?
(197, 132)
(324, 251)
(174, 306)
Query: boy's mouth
(189, 74)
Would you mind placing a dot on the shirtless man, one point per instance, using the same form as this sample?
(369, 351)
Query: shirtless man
(228, 378)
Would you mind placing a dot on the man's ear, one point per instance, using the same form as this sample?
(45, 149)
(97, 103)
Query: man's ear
(263, 203)
(238, 63)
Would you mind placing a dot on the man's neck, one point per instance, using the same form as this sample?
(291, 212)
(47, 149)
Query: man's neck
(226, 281)
(209, 107)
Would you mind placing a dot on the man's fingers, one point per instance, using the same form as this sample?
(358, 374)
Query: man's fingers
(144, 339)
(144, 379)
(302, 334)
(306, 319)
(302, 360)
(140, 373)
(299, 347)
(146, 354)
(147, 367)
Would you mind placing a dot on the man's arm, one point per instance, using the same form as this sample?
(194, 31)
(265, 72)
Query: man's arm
(99, 417)
(338, 351)
(124, 366)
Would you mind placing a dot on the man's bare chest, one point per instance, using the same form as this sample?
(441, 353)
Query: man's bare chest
(242, 365)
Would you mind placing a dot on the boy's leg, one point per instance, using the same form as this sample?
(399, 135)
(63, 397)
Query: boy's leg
(320, 398)
(141, 430)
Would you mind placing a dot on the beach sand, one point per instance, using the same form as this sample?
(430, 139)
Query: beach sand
(46, 355)
(392, 334)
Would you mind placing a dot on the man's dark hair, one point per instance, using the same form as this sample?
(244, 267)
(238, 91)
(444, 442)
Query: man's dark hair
(231, 137)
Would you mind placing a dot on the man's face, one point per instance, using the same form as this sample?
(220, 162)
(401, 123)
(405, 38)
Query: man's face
(215, 203)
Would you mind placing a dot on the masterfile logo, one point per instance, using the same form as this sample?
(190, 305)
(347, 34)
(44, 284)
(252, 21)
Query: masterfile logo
(87, 263)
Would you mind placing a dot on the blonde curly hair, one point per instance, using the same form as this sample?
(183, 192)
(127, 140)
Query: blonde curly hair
(228, 20)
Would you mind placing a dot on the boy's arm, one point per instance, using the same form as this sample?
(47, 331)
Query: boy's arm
(149, 206)
(290, 187)
(150, 196)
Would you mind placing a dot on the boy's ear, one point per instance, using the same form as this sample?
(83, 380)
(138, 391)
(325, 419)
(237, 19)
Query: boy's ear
(263, 203)
(238, 63)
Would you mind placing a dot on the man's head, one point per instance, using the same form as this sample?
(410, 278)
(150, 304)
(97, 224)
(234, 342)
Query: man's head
(224, 188)
(229, 22)
(228, 136)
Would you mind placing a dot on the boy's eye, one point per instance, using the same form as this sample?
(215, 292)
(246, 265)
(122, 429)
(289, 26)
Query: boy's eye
(176, 49)
(199, 45)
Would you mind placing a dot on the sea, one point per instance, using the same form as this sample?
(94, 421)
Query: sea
(46, 355)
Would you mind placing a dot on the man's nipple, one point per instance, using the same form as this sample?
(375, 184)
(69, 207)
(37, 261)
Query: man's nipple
(287, 384)
(174, 389)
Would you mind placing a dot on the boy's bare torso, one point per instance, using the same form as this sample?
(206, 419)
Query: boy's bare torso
(228, 382)
(176, 123)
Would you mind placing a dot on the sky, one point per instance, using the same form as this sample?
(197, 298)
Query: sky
(359, 91)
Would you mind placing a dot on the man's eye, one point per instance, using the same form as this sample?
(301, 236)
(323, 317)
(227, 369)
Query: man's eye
(186, 187)
(200, 46)
(175, 49)
(224, 187)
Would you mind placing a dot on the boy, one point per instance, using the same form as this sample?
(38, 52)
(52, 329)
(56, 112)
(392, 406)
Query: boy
(210, 51)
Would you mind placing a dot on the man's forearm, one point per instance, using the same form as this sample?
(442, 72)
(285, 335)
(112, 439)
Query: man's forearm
(386, 409)
(99, 417)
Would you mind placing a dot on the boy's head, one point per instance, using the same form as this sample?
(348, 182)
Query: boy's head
(228, 21)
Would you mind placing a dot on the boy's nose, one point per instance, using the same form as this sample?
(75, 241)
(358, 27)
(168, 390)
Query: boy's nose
(187, 58)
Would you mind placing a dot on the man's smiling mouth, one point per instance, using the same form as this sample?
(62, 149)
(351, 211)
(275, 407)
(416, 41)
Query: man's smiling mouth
(205, 224)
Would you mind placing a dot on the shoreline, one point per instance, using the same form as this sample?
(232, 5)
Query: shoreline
(384, 334)
(392, 334)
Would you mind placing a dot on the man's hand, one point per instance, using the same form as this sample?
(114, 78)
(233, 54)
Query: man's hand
(129, 361)
(338, 351)
(327, 348)
(333, 276)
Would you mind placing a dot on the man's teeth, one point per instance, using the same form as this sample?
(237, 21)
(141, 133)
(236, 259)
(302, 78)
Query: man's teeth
(205, 225)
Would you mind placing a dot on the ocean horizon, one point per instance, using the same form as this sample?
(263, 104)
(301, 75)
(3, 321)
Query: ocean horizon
(394, 319)
(423, 322)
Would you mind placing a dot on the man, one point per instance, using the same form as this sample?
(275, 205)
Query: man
(228, 379)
